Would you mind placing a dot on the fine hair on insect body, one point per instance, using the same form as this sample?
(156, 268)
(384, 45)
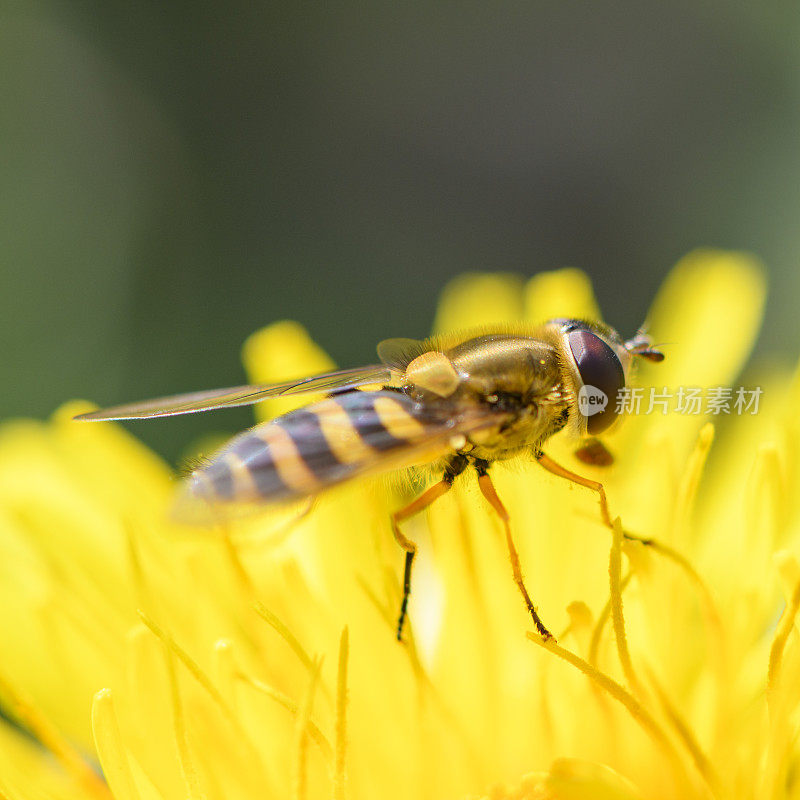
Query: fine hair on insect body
(458, 403)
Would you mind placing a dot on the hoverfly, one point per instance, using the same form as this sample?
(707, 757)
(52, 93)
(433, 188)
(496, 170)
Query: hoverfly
(454, 403)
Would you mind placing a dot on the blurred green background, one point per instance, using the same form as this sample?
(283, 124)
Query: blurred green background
(175, 175)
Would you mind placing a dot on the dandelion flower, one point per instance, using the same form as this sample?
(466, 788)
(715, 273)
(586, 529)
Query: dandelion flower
(144, 660)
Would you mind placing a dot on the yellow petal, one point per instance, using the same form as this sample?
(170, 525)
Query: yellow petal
(240, 631)
(707, 315)
(563, 292)
(572, 779)
(111, 749)
(27, 770)
(479, 300)
(705, 319)
(281, 352)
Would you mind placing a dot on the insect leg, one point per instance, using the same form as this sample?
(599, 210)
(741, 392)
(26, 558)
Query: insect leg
(596, 486)
(455, 467)
(595, 454)
(488, 491)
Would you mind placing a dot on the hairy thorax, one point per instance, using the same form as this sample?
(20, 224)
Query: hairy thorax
(517, 378)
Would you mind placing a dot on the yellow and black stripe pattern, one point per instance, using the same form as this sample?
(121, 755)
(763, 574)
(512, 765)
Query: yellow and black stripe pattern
(306, 450)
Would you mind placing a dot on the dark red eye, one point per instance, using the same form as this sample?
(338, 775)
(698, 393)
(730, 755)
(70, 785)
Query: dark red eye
(602, 376)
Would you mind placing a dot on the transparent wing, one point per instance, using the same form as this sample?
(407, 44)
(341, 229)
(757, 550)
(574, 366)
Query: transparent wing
(399, 353)
(193, 402)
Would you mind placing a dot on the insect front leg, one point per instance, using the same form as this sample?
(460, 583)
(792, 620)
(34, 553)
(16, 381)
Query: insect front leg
(594, 453)
(455, 466)
(488, 491)
(562, 472)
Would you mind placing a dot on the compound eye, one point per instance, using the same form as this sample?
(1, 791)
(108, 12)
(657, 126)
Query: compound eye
(602, 377)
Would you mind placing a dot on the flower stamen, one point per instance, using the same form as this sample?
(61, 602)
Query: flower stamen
(341, 717)
(602, 619)
(283, 631)
(684, 733)
(203, 680)
(188, 768)
(690, 481)
(111, 747)
(785, 625)
(300, 778)
(639, 713)
(617, 618)
(291, 706)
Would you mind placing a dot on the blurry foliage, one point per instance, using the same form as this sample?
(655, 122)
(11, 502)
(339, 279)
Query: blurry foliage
(173, 176)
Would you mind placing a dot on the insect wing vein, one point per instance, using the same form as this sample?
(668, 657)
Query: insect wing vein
(194, 402)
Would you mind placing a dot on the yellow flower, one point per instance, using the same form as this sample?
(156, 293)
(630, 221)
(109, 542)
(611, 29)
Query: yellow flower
(146, 660)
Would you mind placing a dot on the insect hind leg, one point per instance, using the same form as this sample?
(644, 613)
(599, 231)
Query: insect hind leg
(488, 491)
(455, 466)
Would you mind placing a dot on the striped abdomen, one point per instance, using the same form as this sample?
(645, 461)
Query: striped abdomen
(306, 450)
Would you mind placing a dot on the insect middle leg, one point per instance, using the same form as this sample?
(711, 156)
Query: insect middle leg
(488, 491)
(455, 466)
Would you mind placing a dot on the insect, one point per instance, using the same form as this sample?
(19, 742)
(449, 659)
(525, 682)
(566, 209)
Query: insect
(455, 403)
